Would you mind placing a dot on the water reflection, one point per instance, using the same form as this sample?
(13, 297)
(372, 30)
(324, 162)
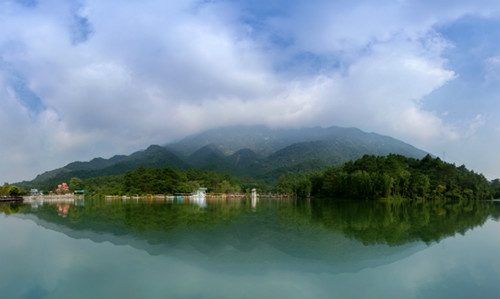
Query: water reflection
(396, 223)
(254, 200)
(392, 223)
(316, 249)
(62, 210)
(60, 200)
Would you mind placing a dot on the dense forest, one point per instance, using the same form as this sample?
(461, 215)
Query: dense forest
(162, 181)
(392, 176)
(495, 185)
(12, 191)
(370, 177)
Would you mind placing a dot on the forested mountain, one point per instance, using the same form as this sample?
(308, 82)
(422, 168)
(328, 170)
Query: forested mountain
(261, 152)
(209, 158)
(153, 156)
(68, 170)
(265, 141)
(253, 152)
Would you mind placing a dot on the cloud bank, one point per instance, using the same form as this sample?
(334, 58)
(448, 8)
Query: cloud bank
(80, 79)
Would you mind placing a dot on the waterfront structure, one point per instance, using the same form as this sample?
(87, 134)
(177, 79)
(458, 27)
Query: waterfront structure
(36, 193)
(199, 197)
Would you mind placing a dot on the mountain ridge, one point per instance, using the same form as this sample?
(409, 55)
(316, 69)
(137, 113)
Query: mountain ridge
(248, 151)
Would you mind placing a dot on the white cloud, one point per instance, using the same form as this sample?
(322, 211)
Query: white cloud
(475, 124)
(381, 91)
(152, 71)
(492, 69)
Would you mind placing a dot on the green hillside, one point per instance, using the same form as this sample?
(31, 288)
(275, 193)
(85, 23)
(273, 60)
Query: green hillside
(264, 141)
(153, 156)
(255, 152)
(209, 158)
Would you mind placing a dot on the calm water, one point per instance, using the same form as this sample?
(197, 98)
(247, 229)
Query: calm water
(243, 249)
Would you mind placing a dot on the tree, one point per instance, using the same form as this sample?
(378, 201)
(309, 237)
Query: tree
(440, 189)
(194, 174)
(419, 185)
(14, 191)
(303, 186)
(223, 187)
(360, 185)
(5, 189)
(62, 189)
(402, 184)
(334, 182)
(75, 184)
(495, 184)
(382, 184)
(286, 184)
(189, 186)
(399, 176)
(316, 179)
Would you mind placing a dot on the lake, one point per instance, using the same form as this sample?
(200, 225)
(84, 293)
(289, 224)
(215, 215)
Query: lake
(266, 248)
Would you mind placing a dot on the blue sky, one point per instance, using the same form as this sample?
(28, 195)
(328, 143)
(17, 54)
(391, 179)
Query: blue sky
(83, 79)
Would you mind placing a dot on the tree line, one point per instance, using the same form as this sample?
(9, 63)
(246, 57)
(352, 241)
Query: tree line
(11, 190)
(392, 176)
(370, 177)
(147, 180)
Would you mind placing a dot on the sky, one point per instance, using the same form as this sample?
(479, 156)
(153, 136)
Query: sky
(86, 79)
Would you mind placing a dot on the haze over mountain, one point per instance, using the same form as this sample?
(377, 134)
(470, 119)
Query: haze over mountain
(264, 140)
(78, 80)
(253, 151)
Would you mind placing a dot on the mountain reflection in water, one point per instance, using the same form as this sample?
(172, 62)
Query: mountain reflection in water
(317, 229)
(318, 248)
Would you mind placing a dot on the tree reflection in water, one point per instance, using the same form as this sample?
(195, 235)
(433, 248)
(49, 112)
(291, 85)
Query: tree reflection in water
(371, 222)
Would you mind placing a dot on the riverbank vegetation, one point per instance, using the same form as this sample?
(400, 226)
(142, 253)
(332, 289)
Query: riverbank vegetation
(162, 181)
(392, 176)
(370, 177)
(495, 185)
(11, 190)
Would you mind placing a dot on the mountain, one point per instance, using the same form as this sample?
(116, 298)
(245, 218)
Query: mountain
(209, 157)
(260, 139)
(248, 151)
(245, 162)
(93, 165)
(153, 156)
(259, 151)
(264, 141)
(336, 149)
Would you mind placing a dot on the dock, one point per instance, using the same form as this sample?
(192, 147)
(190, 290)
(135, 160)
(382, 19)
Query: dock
(14, 199)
